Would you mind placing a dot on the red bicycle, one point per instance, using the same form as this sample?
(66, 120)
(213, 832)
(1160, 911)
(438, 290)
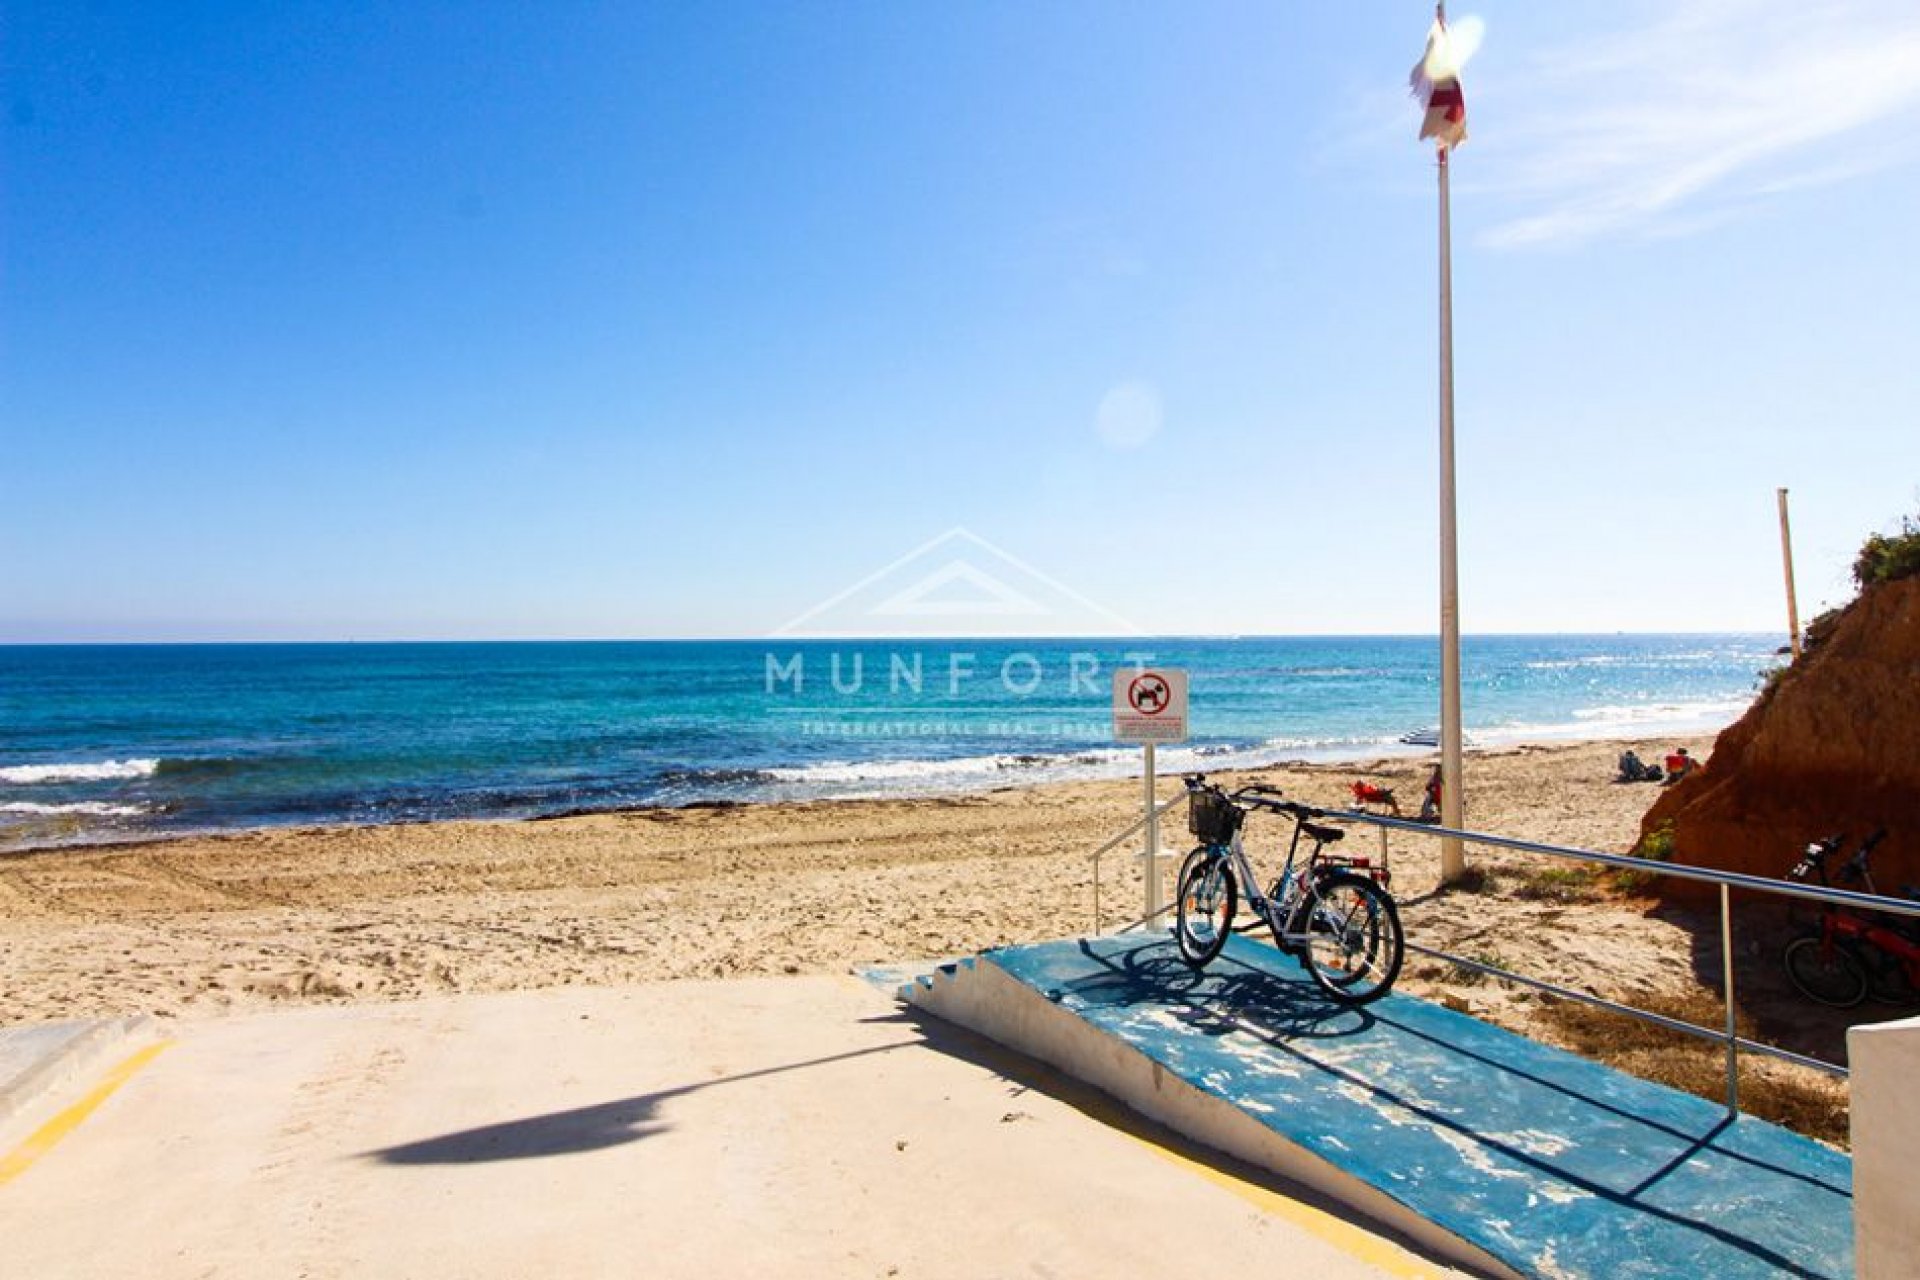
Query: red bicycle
(1848, 956)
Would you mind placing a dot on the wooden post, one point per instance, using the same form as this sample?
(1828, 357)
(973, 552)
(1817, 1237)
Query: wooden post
(1786, 558)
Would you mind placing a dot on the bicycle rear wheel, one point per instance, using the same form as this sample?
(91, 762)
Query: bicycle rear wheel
(1207, 898)
(1354, 944)
(1825, 971)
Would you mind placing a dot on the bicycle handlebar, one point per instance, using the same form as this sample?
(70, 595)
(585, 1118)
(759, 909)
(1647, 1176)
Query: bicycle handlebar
(1817, 853)
(1856, 868)
(1255, 795)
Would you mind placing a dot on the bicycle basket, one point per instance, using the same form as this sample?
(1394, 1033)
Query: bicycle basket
(1214, 818)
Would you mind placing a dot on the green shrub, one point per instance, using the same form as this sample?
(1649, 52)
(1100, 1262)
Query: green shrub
(1474, 977)
(1655, 846)
(1475, 879)
(1884, 557)
(1557, 884)
(1821, 627)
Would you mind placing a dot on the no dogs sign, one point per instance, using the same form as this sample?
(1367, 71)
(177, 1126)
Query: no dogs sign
(1149, 705)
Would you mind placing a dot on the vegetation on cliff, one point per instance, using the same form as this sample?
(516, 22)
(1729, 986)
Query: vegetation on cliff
(1886, 557)
(1832, 744)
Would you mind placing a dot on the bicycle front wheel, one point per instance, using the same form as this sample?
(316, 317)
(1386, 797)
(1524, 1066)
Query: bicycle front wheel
(1825, 971)
(1207, 899)
(1354, 944)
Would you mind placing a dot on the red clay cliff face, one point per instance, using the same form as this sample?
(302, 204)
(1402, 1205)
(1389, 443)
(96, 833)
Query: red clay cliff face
(1833, 746)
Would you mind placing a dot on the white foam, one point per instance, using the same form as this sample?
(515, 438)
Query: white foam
(1629, 720)
(892, 770)
(78, 771)
(1627, 715)
(848, 779)
(89, 808)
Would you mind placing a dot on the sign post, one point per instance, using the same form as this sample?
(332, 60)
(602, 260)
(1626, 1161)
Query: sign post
(1150, 707)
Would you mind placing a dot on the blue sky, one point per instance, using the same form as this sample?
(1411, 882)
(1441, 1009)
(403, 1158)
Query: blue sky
(446, 320)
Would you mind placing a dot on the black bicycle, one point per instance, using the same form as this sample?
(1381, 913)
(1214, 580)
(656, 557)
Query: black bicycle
(1329, 912)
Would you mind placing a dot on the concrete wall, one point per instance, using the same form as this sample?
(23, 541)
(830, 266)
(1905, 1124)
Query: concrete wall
(1885, 1060)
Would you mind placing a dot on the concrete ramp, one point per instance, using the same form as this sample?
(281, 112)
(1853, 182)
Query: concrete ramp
(1496, 1152)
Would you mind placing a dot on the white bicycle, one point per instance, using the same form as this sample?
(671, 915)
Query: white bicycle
(1332, 913)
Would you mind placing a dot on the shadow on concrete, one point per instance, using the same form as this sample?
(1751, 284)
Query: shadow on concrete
(579, 1129)
(559, 1133)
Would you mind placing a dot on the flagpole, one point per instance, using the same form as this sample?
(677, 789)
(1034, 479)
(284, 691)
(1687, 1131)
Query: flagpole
(1436, 82)
(1453, 858)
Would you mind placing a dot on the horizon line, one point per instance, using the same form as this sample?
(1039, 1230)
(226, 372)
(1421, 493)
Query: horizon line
(869, 639)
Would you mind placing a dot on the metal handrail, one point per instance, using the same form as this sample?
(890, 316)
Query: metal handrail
(1101, 852)
(1629, 862)
(1725, 880)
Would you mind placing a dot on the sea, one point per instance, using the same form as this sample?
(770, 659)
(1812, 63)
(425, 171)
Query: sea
(118, 742)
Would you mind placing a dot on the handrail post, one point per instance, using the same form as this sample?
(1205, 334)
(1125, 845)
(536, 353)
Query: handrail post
(1153, 841)
(1726, 982)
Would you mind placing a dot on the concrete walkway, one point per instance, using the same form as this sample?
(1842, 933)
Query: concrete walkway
(1531, 1159)
(797, 1127)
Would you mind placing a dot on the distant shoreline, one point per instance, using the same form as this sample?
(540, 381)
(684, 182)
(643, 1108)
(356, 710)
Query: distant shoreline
(114, 745)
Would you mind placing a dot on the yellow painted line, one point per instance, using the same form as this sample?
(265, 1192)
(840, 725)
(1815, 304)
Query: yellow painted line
(43, 1140)
(1341, 1234)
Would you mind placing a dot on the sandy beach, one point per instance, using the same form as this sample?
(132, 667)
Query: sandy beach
(202, 925)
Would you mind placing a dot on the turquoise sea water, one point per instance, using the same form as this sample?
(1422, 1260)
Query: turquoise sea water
(108, 742)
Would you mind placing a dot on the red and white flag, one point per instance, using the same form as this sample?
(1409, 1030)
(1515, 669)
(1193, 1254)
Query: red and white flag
(1436, 83)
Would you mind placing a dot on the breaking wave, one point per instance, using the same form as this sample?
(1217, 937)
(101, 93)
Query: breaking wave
(78, 771)
(86, 808)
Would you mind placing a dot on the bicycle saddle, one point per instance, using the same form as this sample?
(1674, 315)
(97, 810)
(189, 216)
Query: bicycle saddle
(1323, 835)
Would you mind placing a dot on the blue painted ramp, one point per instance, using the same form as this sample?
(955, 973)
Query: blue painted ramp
(1535, 1159)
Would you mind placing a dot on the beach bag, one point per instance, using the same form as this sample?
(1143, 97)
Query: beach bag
(1632, 769)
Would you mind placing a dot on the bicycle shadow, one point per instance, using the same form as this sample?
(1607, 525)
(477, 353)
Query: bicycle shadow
(1227, 996)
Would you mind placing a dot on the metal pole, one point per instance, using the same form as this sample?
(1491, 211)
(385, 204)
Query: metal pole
(1153, 843)
(1453, 858)
(1786, 558)
(1726, 981)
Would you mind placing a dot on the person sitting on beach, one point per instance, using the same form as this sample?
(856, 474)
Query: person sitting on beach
(1366, 793)
(1430, 804)
(1680, 764)
(1634, 769)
